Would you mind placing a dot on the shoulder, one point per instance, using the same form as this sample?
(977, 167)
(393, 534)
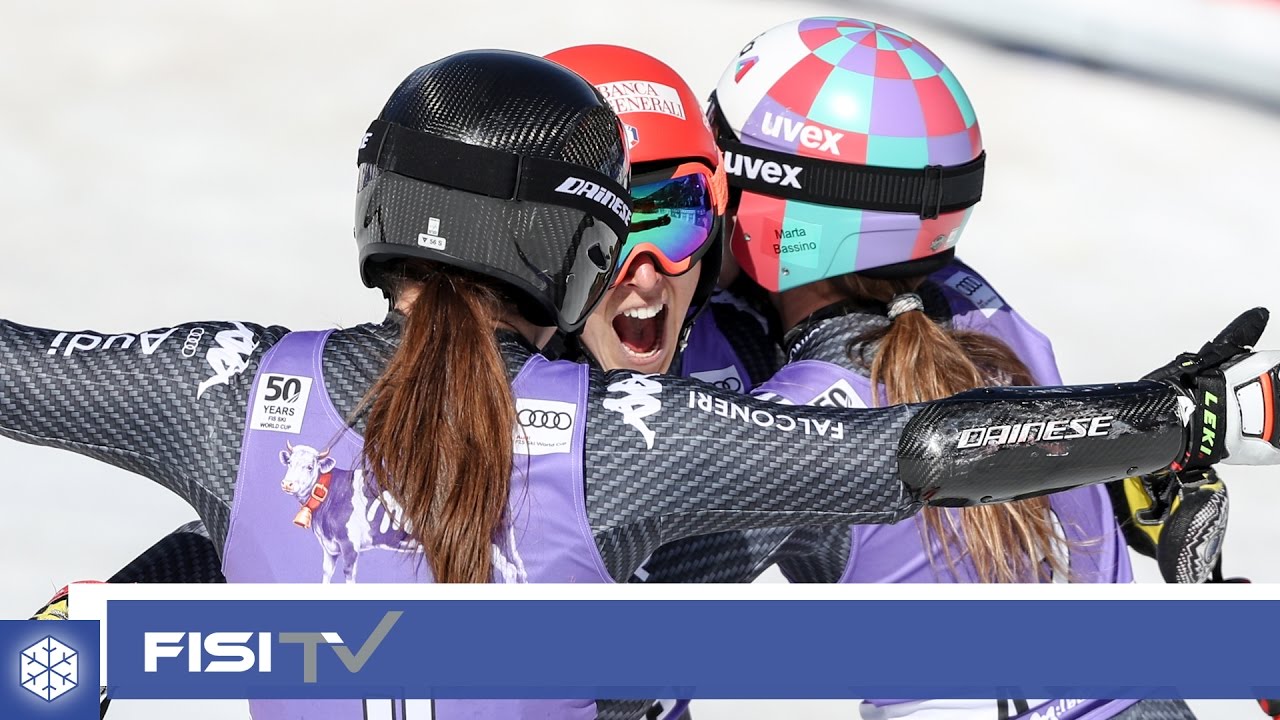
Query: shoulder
(230, 350)
(967, 291)
(976, 305)
(535, 376)
(357, 355)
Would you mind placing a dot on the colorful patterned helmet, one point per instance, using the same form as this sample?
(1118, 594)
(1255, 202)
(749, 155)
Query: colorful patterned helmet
(849, 147)
(673, 157)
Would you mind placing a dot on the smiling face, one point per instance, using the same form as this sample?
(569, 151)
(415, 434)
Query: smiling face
(637, 325)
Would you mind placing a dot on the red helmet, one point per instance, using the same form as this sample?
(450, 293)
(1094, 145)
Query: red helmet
(664, 118)
(677, 180)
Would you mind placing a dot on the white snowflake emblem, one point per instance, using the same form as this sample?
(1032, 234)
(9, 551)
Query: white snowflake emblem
(50, 668)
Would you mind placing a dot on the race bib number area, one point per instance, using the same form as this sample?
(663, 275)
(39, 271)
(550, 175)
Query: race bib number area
(280, 403)
(544, 427)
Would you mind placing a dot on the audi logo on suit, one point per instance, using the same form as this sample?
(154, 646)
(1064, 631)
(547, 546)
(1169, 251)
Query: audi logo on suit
(545, 419)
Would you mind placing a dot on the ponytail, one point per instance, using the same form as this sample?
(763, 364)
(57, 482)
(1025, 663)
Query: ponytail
(440, 418)
(917, 360)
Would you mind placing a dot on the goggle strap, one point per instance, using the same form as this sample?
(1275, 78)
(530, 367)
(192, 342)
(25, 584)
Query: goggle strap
(927, 192)
(496, 173)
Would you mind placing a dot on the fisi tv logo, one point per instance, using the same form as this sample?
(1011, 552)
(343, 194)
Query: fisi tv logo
(237, 652)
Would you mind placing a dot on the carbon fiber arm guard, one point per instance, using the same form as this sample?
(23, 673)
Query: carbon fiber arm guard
(167, 404)
(1000, 444)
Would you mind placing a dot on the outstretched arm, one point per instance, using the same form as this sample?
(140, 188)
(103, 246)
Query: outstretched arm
(670, 457)
(168, 404)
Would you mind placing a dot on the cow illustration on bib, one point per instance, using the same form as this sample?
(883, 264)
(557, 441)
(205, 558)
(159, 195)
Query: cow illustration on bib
(348, 515)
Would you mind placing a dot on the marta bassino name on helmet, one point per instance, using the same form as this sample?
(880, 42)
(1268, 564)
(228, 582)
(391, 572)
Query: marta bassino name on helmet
(595, 193)
(833, 429)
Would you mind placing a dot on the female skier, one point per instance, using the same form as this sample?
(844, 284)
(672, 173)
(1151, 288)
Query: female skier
(644, 320)
(490, 213)
(868, 286)
(670, 263)
(667, 272)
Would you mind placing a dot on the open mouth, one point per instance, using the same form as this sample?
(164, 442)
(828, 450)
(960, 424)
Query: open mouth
(641, 330)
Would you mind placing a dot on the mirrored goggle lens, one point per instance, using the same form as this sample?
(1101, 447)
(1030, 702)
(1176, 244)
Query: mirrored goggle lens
(672, 220)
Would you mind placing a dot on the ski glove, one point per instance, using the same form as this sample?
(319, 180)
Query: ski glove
(1232, 397)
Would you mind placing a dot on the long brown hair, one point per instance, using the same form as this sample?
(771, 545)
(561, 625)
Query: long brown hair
(917, 360)
(440, 419)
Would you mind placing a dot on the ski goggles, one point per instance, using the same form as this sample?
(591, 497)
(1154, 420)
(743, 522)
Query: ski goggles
(675, 217)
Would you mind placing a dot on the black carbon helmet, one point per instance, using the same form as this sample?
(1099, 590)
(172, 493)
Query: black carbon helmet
(503, 164)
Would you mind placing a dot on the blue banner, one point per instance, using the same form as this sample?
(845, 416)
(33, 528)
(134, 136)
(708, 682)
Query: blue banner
(49, 669)
(699, 649)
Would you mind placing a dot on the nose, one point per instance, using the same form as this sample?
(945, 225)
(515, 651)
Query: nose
(642, 273)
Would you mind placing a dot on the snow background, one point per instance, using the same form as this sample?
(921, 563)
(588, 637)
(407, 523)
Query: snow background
(164, 162)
